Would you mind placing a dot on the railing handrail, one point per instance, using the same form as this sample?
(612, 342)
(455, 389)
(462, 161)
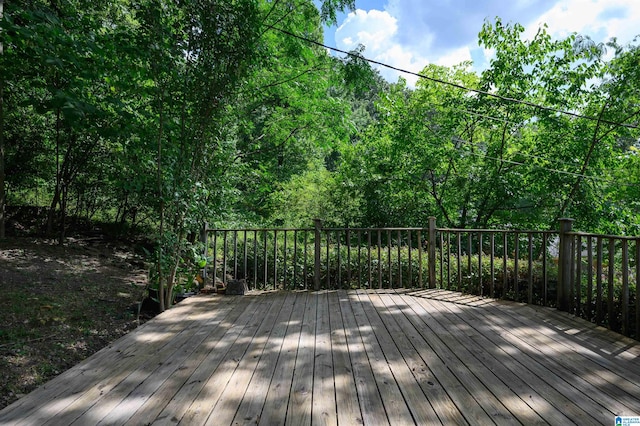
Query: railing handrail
(593, 235)
(257, 229)
(396, 228)
(589, 274)
(497, 231)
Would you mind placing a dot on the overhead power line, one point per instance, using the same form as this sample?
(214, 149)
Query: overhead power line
(458, 86)
(537, 166)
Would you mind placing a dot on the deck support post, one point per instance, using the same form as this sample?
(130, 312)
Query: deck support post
(432, 252)
(316, 253)
(564, 265)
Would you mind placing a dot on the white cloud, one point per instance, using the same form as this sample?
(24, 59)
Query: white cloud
(377, 31)
(600, 19)
(455, 57)
(410, 34)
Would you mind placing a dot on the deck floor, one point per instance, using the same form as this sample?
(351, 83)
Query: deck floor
(358, 357)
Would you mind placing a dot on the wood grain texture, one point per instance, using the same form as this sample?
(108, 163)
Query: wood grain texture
(348, 357)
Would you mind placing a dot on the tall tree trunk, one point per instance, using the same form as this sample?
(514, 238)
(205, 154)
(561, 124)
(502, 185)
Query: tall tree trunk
(56, 196)
(3, 197)
(63, 212)
(585, 163)
(161, 297)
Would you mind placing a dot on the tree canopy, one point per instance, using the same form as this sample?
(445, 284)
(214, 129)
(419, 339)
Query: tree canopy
(170, 114)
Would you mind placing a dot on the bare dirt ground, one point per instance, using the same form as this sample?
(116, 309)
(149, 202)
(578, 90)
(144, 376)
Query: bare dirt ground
(61, 304)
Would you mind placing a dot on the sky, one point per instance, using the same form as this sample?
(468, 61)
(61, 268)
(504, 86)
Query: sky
(410, 34)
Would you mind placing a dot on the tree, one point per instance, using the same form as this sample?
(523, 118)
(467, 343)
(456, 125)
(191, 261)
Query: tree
(174, 104)
(212, 63)
(489, 155)
(3, 202)
(60, 103)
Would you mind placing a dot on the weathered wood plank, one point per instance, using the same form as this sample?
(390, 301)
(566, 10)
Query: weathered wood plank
(565, 398)
(68, 393)
(469, 331)
(419, 406)
(136, 389)
(619, 395)
(225, 403)
(348, 357)
(407, 341)
(220, 396)
(158, 400)
(348, 409)
(253, 401)
(324, 411)
(277, 396)
(447, 351)
(394, 403)
(371, 405)
(300, 399)
(618, 381)
(530, 343)
(585, 333)
(421, 338)
(220, 351)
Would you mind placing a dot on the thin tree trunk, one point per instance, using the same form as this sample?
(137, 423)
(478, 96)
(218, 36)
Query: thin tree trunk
(56, 195)
(159, 181)
(171, 281)
(63, 212)
(585, 163)
(3, 196)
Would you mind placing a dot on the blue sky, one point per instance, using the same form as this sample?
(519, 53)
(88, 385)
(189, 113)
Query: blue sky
(410, 34)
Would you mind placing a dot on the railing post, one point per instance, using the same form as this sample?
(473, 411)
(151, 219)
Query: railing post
(316, 255)
(432, 252)
(564, 265)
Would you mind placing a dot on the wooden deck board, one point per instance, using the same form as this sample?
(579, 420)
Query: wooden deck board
(300, 398)
(220, 379)
(278, 393)
(508, 371)
(250, 408)
(568, 361)
(226, 404)
(526, 341)
(392, 398)
(524, 375)
(348, 357)
(186, 394)
(347, 406)
(419, 410)
(324, 411)
(369, 398)
(431, 378)
(446, 348)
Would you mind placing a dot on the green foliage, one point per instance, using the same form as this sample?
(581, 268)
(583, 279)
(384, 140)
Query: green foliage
(329, 8)
(315, 195)
(474, 160)
(466, 274)
(171, 114)
(271, 261)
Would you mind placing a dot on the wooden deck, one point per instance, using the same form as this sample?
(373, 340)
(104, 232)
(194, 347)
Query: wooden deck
(361, 357)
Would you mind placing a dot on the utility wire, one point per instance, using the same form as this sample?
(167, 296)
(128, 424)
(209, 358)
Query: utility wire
(488, 117)
(485, 93)
(537, 157)
(564, 172)
(458, 86)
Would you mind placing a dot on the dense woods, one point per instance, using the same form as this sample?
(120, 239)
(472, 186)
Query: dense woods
(169, 114)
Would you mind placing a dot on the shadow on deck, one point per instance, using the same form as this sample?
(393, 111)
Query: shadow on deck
(358, 357)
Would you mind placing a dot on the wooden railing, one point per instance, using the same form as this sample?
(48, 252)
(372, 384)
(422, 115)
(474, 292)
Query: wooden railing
(589, 275)
(602, 280)
(509, 264)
